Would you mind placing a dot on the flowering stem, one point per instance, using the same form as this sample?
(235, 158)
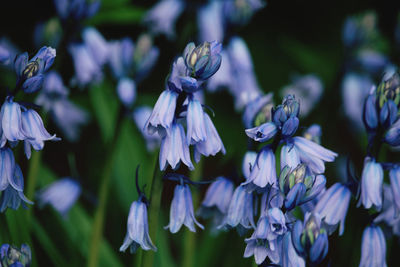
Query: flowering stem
(189, 238)
(105, 180)
(156, 187)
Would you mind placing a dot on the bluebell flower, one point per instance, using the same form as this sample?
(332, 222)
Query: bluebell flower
(271, 198)
(49, 32)
(243, 85)
(370, 114)
(4, 55)
(162, 17)
(145, 56)
(86, 68)
(178, 71)
(61, 195)
(126, 90)
(213, 143)
(223, 77)
(313, 133)
(359, 29)
(371, 184)
(174, 148)
(35, 132)
(258, 111)
(11, 121)
(217, 199)
(390, 212)
(248, 163)
(76, 9)
(308, 88)
(263, 172)
(371, 60)
(277, 223)
(290, 258)
(7, 166)
(210, 22)
(310, 238)
(8, 52)
(182, 210)
(15, 257)
(163, 113)
(299, 186)
(54, 99)
(137, 229)
(355, 88)
(289, 156)
(240, 211)
(203, 60)
(333, 206)
(263, 242)
(394, 175)
(121, 57)
(262, 133)
(312, 154)
(13, 196)
(140, 116)
(96, 44)
(373, 247)
(240, 12)
(196, 131)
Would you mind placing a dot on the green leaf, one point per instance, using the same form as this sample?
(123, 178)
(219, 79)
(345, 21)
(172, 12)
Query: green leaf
(118, 15)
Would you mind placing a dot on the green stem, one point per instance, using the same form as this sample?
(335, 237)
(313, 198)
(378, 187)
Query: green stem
(98, 223)
(33, 172)
(154, 211)
(189, 238)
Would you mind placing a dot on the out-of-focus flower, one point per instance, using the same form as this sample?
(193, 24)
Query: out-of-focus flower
(137, 229)
(373, 247)
(76, 9)
(240, 211)
(333, 206)
(258, 111)
(49, 32)
(126, 90)
(11, 256)
(182, 210)
(389, 213)
(210, 22)
(241, 11)
(394, 175)
(61, 195)
(371, 184)
(86, 68)
(162, 17)
(140, 116)
(96, 44)
(313, 133)
(309, 89)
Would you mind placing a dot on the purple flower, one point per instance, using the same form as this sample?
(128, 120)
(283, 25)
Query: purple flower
(313, 154)
(371, 184)
(196, 131)
(373, 247)
(313, 133)
(394, 175)
(140, 116)
(161, 18)
(210, 22)
(263, 172)
(76, 9)
(11, 121)
(258, 111)
(333, 206)
(121, 57)
(137, 229)
(174, 148)
(96, 45)
(289, 156)
(248, 162)
(213, 143)
(290, 258)
(126, 90)
(240, 211)
(163, 113)
(13, 256)
(87, 69)
(61, 195)
(182, 210)
(262, 133)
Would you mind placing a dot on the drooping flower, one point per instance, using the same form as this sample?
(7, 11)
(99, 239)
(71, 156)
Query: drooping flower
(258, 111)
(333, 206)
(394, 175)
(11, 121)
(163, 113)
(217, 199)
(248, 162)
(373, 247)
(174, 148)
(76, 9)
(290, 258)
(213, 143)
(210, 22)
(61, 195)
(126, 90)
(182, 210)
(137, 229)
(140, 116)
(262, 133)
(196, 131)
(371, 184)
(240, 211)
(96, 45)
(263, 172)
(86, 68)
(35, 132)
(289, 156)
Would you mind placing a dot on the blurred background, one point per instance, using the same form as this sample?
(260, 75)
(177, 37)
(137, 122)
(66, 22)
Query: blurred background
(286, 39)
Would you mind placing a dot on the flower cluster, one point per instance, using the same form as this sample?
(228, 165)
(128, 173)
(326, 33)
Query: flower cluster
(20, 122)
(177, 106)
(12, 256)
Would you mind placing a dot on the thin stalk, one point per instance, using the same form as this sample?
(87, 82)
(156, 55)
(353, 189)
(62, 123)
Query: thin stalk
(189, 238)
(154, 211)
(33, 172)
(98, 223)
